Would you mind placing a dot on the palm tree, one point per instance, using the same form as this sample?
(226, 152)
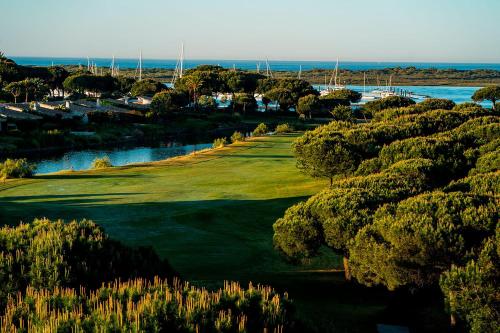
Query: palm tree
(193, 83)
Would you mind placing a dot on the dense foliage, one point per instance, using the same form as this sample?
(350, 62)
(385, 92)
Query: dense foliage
(101, 163)
(260, 130)
(48, 272)
(413, 203)
(142, 306)
(49, 254)
(16, 168)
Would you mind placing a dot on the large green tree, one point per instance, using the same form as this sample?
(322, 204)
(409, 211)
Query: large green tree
(325, 153)
(471, 291)
(284, 97)
(306, 105)
(146, 87)
(167, 102)
(491, 93)
(413, 242)
(345, 94)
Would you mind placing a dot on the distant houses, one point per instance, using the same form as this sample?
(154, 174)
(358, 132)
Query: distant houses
(15, 115)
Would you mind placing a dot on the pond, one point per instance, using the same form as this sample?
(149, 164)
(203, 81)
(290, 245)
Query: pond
(82, 160)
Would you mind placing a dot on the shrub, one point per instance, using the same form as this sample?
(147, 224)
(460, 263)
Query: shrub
(342, 113)
(166, 102)
(237, 137)
(146, 87)
(283, 128)
(16, 168)
(487, 163)
(101, 163)
(388, 102)
(219, 143)
(141, 305)
(48, 254)
(412, 242)
(260, 130)
(435, 104)
(466, 105)
(207, 103)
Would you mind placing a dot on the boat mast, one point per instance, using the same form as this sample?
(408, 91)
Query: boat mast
(269, 73)
(113, 66)
(140, 65)
(182, 60)
(336, 72)
(364, 83)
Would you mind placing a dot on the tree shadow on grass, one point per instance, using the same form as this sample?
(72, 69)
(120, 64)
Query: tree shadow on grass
(222, 239)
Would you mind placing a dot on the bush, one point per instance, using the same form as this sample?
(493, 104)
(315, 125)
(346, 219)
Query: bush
(436, 104)
(141, 305)
(387, 103)
(260, 130)
(146, 87)
(466, 105)
(101, 163)
(342, 113)
(283, 128)
(16, 168)
(219, 143)
(237, 137)
(166, 102)
(48, 254)
(207, 103)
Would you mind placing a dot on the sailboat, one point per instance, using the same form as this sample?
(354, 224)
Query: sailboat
(269, 72)
(333, 80)
(138, 70)
(179, 67)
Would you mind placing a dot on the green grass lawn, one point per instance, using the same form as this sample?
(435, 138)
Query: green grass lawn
(211, 216)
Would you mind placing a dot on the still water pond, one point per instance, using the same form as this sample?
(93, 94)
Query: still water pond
(82, 160)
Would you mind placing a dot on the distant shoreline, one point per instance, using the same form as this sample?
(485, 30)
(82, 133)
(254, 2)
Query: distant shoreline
(278, 65)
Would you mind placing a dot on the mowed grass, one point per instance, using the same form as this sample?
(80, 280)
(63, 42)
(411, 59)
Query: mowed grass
(211, 215)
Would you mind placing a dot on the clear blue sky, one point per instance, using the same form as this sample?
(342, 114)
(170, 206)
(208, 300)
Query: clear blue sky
(358, 30)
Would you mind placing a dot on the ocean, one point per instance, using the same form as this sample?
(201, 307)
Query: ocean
(276, 65)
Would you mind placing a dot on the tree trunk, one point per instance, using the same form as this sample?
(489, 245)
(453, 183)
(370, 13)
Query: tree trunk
(494, 101)
(347, 270)
(26, 99)
(331, 181)
(453, 320)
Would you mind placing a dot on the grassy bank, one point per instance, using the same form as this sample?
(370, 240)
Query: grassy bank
(211, 215)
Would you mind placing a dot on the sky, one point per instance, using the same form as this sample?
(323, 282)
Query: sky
(353, 30)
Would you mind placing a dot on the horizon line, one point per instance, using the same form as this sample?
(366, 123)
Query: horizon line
(264, 59)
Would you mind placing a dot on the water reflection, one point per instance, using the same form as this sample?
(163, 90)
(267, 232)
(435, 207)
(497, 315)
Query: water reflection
(82, 160)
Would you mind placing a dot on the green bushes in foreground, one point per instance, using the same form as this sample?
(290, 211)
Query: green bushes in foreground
(219, 143)
(16, 168)
(260, 130)
(46, 255)
(49, 272)
(283, 128)
(143, 306)
(237, 137)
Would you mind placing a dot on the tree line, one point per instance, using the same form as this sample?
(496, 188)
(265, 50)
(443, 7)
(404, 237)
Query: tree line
(413, 204)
